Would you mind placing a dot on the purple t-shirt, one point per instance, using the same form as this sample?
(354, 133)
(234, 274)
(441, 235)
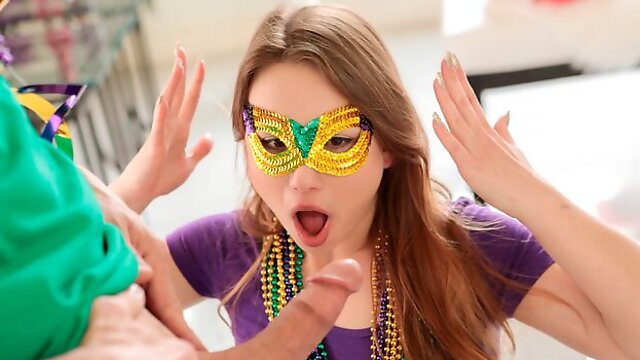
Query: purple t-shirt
(212, 254)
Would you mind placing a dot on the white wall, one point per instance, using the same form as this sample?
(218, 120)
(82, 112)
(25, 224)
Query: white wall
(214, 28)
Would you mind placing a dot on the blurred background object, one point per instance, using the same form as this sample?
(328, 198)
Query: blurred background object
(94, 42)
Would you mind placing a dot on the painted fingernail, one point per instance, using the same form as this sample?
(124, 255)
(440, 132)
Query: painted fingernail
(452, 60)
(448, 59)
(508, 116)
(179, 62)
(437, 118)
(455, 61)
(440, 79)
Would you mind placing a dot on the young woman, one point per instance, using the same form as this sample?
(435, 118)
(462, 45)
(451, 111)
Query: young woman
(339, 164)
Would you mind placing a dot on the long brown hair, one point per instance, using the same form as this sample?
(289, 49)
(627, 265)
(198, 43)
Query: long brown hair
(446, 306)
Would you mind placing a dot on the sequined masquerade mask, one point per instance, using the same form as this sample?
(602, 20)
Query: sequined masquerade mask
(284, 144)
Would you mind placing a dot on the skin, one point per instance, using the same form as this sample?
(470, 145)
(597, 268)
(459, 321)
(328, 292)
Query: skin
(597, 270)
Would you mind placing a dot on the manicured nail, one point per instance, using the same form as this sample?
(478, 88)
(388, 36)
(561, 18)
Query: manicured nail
(437, 119)
(508, 116)
(440, 79)
(455, 61)
(177, 52)
(452, 60)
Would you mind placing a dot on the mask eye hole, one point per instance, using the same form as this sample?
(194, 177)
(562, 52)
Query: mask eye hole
(343, 141)
(272, 144)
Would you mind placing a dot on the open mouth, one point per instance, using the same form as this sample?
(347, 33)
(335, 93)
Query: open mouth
(311, 226)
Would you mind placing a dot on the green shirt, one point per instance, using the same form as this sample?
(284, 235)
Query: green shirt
(56, 252)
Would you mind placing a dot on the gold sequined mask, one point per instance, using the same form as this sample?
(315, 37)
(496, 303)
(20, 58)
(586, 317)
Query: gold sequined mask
(284, 144)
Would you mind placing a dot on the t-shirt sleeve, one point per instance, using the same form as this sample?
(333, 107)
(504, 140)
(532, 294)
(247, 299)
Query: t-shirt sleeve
(212, 253)
(56, 252)
(508, 246)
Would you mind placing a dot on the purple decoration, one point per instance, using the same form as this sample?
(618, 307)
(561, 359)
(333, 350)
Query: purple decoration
(56, 120)
(74, 90)
(62, 89)
(21, 46)
(365, 124)
(247, 117)
(5, 54)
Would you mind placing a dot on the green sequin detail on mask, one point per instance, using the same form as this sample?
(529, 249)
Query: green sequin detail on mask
(304, 135)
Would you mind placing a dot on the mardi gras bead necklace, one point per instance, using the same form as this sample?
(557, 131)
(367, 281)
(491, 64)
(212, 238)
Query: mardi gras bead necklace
(281, 276)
